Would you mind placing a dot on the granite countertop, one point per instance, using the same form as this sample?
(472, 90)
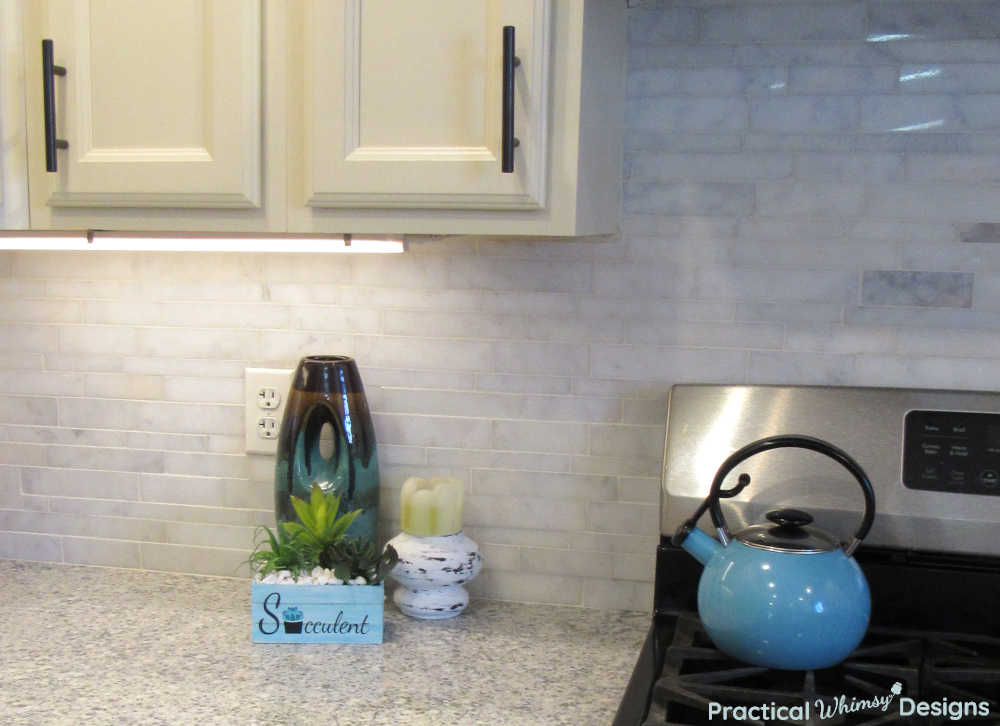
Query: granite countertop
(110, 646)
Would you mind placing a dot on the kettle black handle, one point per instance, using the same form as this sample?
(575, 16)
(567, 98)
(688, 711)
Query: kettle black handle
(798, 442)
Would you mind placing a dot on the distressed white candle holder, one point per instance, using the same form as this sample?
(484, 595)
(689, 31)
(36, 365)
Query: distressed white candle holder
(432, 572)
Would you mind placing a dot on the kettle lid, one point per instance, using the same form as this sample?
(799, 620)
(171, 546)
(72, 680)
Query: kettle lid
(789, 531)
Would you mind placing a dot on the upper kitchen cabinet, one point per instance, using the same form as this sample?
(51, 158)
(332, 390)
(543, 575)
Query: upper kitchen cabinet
(328, 116)
(396, 116)
(160, 105)
(13, 171)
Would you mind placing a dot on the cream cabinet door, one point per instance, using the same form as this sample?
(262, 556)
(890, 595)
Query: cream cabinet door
(160, 105)
(401, 105)
(13, 168)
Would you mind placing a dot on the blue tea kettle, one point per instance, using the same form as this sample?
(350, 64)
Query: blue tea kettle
(782, 594)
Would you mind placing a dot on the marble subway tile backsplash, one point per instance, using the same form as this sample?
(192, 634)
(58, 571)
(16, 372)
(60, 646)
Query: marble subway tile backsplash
(812, 195)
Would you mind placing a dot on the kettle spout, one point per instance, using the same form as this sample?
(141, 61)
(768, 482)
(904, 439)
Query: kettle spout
(698, 544)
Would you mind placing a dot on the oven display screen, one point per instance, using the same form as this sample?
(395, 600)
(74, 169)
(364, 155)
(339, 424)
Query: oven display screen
(952, 451)
(993, 435)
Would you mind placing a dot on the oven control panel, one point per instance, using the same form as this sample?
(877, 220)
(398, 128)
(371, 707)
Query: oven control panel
(952, 451)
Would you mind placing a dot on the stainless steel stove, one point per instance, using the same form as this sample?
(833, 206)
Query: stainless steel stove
(932, 558)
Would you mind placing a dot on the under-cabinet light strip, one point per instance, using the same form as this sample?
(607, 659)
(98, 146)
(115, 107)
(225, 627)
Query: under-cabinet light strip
(98, 241)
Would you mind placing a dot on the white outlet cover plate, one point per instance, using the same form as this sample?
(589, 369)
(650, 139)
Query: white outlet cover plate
(255, 379)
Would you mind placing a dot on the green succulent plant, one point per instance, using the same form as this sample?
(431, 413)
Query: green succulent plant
(319, 538)
(354, 556)
(319, 526)
(283, 554)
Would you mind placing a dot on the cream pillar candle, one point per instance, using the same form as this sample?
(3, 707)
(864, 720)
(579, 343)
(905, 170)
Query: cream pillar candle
(431, 507)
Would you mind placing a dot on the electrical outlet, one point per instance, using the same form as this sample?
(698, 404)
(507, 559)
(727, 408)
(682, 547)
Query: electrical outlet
(265, 394)
(268, 397)
(267, 427)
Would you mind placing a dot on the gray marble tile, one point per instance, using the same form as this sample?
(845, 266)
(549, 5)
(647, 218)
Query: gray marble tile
(30, 545)
(968, 168)
(960, 20)
(805, 54)
(773, 284)
(777, 140)
(642, 140)
(686, 113)
(785, 368)
(841, 79)
(870, 167)
(944, 51)
(903, 287)
(689, 198)
(925, 317)
(28, 410)
(809, 199)
(679, 55)
(936, 143)
(800, 311)
(949, 78)
(830, 21)
(662, 25)
(925, 372)
(981, 111)
(723, 167)
(911, 114)
(804, 114)
(951, 202)
(706, 81)
(988, 232)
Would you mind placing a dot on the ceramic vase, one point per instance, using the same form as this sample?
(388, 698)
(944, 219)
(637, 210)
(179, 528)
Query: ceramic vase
(327, 389)
(432, 572)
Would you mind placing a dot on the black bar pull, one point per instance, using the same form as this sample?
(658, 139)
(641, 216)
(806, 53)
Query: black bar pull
(49, 71)
(508, 142)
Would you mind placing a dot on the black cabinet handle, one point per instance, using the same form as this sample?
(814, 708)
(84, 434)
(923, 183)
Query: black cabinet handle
(49, 71)
(508, 141)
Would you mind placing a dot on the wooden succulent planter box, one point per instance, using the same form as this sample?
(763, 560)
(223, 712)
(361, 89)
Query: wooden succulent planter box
(317, 613)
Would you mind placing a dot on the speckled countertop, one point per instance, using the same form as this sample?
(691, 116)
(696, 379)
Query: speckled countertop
(107, 646)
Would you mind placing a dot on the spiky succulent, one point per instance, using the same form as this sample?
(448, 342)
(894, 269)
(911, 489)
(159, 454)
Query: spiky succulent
(283, 554)
(319, 526)
(356, 556)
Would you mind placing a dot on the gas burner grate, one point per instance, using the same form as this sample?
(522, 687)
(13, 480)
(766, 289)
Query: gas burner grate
(930, 666)
(963, 668)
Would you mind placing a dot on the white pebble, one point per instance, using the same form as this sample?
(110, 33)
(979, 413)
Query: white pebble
(359, 580)
(282, 574)
(334, 580)
(317, 571)
(303, 580)
(270, 579)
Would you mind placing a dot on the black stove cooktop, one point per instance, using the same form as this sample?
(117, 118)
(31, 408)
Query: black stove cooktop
(864, 690)
(934, 639)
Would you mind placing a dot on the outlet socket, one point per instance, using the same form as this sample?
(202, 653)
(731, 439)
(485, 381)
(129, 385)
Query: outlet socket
(265, 394)
(268, 397)
(267, 427)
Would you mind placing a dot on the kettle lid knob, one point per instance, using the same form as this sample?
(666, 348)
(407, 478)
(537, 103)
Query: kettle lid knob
(790, 518)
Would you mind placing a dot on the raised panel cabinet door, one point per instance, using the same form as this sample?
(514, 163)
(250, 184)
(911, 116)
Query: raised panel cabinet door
(402, 103)
(160, 103)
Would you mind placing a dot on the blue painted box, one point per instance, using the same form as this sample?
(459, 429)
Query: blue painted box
(317, 613)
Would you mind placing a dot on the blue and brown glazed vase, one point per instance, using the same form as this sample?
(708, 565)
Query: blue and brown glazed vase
(327, 389)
